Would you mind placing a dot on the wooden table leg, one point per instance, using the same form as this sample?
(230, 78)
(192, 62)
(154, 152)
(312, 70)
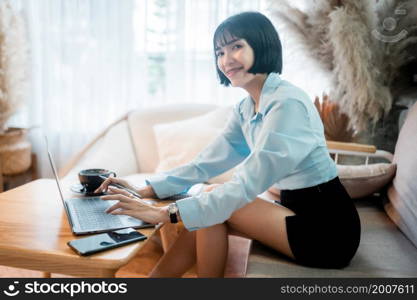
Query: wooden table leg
(106, 273)
(102, 273)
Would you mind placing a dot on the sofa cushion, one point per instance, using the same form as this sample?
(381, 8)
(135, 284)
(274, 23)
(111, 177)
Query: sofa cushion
(402, 194)
(141, 124)
(383, 252)
(364, 180)
(180, 142)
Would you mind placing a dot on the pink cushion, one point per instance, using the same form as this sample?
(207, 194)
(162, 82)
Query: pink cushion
(402, 193)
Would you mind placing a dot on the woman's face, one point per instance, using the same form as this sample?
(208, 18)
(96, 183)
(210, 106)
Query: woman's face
(234, 59)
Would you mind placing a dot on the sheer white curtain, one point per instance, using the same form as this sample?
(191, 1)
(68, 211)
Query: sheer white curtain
(94, 60)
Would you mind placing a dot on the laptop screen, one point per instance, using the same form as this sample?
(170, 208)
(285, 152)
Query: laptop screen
(51, 161)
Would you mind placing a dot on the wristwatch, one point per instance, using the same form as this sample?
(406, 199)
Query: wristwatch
(173, 212)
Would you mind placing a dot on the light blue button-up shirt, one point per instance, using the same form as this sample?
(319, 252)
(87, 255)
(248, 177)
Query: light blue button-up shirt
(282, 145)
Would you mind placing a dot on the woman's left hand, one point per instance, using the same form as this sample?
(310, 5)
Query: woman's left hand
(135, 207)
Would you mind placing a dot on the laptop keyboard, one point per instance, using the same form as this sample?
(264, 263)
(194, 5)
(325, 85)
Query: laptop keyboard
(90, 213)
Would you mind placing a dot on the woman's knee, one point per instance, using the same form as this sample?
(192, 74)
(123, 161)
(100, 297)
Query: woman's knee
(213, 229)
(215, 233)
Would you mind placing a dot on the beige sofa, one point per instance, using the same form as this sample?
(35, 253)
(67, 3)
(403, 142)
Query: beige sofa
(130, 148)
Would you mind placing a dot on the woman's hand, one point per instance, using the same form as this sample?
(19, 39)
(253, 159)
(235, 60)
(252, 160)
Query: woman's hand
(135, 207)
(145, 192)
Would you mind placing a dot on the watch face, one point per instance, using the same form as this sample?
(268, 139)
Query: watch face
(172, 208)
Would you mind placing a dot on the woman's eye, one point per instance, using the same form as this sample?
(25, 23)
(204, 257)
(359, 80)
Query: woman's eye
(218, 54)
(237, 46)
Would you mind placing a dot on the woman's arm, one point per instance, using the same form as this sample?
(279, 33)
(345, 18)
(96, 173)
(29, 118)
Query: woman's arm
(225, 152)
(285, 140)
(144, 192)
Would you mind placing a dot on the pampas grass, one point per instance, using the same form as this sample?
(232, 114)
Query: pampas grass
(357, 82)
(13, 63)
(310, 27)
(365, 70)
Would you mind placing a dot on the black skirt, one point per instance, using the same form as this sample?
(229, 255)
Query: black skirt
(325, 232)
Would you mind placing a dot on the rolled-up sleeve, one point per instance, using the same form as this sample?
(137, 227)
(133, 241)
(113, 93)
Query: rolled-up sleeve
(284, 141)
(225, 152)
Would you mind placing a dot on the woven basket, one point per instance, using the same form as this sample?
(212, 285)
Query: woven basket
(15, 151)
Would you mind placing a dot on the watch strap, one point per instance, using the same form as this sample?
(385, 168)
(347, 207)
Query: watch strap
(173, 216)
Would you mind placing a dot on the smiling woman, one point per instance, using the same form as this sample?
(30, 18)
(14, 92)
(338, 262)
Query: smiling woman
(236, 34)
(247, 47)
(275, 137)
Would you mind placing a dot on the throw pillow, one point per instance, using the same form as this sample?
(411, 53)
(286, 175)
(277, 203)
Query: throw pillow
(180, 142)
(363, 180)
(402, 193)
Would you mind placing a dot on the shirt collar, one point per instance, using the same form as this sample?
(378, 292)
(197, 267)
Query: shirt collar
(270, 85)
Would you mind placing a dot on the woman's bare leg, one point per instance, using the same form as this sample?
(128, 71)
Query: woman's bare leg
(208, 247)
(265, 222)
(212, 248)
(179, 258)
(259, 220)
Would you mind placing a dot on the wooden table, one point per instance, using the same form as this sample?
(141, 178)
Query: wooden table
(34, 232)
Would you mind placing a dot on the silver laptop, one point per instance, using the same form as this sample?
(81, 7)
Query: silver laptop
(87, 215)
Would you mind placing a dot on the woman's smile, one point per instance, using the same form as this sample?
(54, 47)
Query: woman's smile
(231, 72)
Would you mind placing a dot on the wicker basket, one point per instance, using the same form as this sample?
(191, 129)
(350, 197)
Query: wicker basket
(15, 151)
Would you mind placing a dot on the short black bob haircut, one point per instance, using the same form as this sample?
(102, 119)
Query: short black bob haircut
(259, 33)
